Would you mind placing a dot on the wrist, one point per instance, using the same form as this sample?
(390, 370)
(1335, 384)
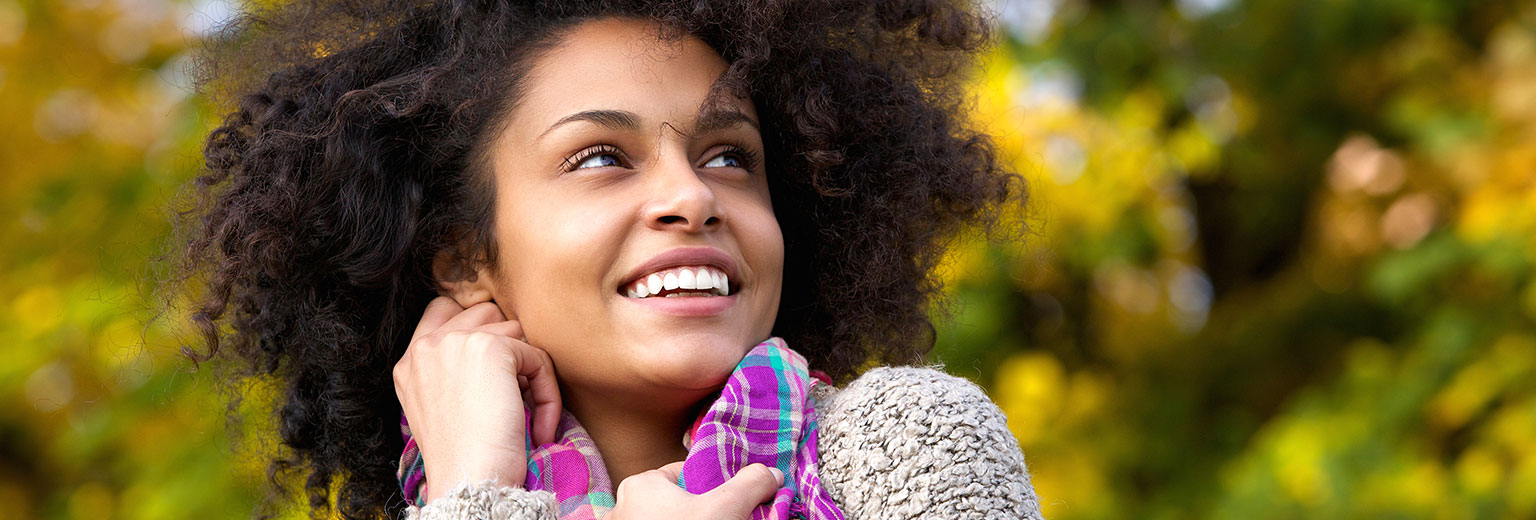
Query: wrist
(442, 481)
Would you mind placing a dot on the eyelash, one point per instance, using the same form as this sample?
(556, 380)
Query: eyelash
(749, 158)
(573, 161)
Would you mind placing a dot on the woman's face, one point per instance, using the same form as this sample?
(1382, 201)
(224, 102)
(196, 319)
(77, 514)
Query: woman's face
(612, 174)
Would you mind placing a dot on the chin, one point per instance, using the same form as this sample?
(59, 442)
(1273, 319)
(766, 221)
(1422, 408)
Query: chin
(693, 361)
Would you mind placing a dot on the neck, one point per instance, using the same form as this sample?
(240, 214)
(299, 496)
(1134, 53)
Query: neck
(633, 437)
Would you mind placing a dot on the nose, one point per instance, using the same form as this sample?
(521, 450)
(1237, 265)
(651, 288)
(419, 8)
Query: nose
(679, 200)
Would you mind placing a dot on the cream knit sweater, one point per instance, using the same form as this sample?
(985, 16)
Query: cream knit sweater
(895, 443)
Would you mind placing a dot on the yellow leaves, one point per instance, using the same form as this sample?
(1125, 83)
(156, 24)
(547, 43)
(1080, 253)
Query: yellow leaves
(1195, 150)
(1030, 391)
(1510, 359)
(1479, 471)
(1086, 168)
(1047, 409)
(1484, 215)
(1423, 487)
(1505, 204)
(1070, 481)
(964, 261)
(1299, 471)
(37, 310)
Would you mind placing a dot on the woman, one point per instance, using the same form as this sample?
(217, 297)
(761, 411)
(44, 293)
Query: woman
(550, 242)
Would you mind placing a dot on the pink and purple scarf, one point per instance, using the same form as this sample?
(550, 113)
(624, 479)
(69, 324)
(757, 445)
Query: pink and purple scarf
(763, 415)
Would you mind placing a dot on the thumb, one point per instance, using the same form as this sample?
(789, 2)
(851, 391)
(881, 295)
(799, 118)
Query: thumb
(751, 486)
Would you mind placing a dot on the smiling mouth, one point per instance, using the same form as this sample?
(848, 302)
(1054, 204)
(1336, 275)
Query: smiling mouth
(680, 282)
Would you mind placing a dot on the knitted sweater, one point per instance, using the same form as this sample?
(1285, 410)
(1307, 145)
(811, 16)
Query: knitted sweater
(898, 442)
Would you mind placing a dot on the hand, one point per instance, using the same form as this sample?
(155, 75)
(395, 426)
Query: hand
(654, 494)
(461, 384)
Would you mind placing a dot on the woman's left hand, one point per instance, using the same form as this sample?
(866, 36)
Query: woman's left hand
(655, 494)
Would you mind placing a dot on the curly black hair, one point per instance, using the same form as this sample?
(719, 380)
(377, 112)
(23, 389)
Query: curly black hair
(349, 160)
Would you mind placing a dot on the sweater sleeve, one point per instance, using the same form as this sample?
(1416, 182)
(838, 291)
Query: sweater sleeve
(487, 500)
(905, 442)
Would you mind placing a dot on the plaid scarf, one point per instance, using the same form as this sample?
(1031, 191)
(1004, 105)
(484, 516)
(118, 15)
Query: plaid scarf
(763, 415)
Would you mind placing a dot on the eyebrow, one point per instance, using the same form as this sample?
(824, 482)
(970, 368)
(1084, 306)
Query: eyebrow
(709, 121)
(716, 120)
(614, 119)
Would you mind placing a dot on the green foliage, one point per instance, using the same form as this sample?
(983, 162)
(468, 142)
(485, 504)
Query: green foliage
(98, 414)
(1284, 264)
(1282, 261)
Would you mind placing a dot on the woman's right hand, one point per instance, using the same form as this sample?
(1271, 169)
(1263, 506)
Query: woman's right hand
(655, 494)
(461, 384)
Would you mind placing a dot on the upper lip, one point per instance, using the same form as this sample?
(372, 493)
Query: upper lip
(684, 256)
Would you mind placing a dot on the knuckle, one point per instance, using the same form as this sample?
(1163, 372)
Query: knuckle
(481, 342)
(628, 485)
(419, 344)
(457, 337)
(641, 480)
(758, 475)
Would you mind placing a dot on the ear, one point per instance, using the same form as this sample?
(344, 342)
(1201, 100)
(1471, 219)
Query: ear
(468, 282)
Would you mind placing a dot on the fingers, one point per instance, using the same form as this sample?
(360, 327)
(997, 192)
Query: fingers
(439, 311)
(509, 328)
(751, 486)
(483, 313)
(672, 471)
(535, 365)
(444, 315)
(649, 485)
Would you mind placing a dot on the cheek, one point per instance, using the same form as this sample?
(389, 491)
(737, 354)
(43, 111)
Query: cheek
(552, 262)
(763, 242)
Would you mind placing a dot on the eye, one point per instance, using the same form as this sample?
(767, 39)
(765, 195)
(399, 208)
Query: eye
(595, 157)
(599, 160)
(733, 156)
(724, 160)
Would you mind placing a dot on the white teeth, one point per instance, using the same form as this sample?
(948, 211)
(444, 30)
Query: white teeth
(699, 281)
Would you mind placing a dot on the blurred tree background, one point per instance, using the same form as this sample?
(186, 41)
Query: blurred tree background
(1280, 262)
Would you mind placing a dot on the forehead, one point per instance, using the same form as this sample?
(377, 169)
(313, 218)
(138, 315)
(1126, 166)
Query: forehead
(620, 64)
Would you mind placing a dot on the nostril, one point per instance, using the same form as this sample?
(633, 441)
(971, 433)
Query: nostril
(669, 219)
(712, 221)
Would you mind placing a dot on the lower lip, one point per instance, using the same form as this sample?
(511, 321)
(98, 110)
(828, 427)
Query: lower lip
(690, 306)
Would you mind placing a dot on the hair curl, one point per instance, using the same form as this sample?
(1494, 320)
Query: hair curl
(349, 161)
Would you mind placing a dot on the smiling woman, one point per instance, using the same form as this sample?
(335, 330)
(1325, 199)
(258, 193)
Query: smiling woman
(547, 241)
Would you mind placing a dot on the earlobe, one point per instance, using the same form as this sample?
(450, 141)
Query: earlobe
(466, 285)
(465, 292)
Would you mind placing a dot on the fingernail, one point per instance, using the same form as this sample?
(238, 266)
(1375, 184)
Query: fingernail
(777, 475)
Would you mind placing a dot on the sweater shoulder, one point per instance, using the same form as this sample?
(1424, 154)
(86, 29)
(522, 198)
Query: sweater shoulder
(915, 442)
